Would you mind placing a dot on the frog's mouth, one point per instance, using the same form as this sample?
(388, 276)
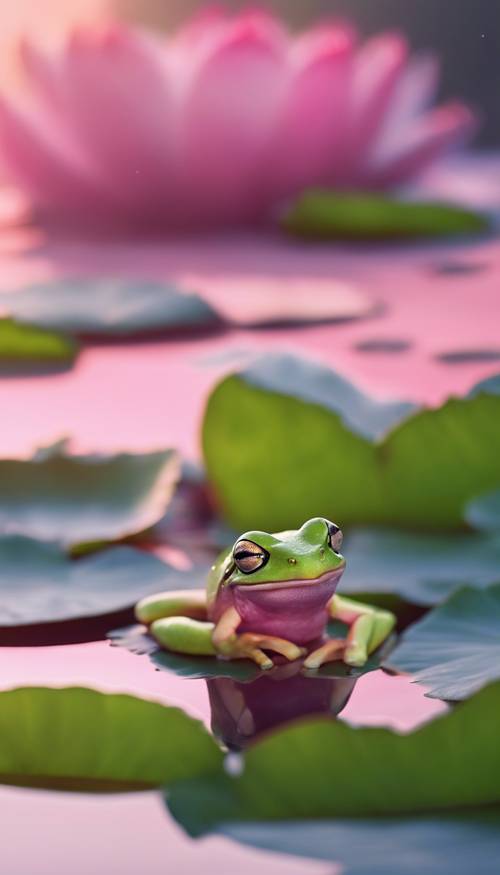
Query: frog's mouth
(292, 609)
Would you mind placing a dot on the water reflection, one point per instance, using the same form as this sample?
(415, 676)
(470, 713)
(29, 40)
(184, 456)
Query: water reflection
(242, 711)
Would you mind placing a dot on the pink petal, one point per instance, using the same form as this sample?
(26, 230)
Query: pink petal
(45, 76)
(378, 69)
(119, 104)
(206, 23)
(311, 131)
(230, 115)
(415, 90)
(424, 142)
(41, 166)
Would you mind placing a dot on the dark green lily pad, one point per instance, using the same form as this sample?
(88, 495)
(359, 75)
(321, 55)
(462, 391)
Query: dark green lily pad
(79, 739)
(419, 568)
(483, 513)
(455, 844)
(137, 640)
(107, 306)
(305, 442)
(388, 345)
(75, 500)
(455, 650)
(463, 356)
(459, 268)
(324, 768)
(330, 215)
(40, 584)
(29, 349)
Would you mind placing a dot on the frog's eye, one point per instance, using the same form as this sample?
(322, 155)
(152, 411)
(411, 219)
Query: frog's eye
(249, 557)
(335, 536)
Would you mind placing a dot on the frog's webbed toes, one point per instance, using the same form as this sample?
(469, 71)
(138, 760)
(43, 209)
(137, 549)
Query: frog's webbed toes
(328, 652)
(250, 645)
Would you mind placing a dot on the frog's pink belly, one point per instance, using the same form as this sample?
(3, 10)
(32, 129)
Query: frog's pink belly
(296, 611)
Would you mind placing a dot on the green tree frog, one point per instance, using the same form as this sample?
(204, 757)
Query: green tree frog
(270, 594)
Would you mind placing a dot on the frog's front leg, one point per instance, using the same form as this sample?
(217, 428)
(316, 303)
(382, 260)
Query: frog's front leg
(369, 627)
(249, 645)
(178, 621)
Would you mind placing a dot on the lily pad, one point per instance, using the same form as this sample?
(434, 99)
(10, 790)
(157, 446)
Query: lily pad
(420, 568)
(75, 500)
(29, 349)
(329, 215)
(107, 306)
(483, 513)
(259, 301)
(137, 640)
(463, 356)
(323, 768)
(80, 739)
(455, 650)
(455, 844)
(40, 584)
(389, 345)
(298, 440)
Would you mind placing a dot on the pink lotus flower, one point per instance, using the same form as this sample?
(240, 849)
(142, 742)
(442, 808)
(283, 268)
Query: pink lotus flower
(221, 123)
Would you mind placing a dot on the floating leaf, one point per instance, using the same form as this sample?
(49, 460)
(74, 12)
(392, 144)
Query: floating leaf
(257, 301)
(455, 844)
(461, 356)
(383, 345)
(419, 568)
(108, 306)
(28, 349)
(80, 739)
(329, 215)
(137, 640)
(285, 439)
(484, 512)
(78, 499)
(455, 650)
(324, 768)
(459, 268)
(40, 584)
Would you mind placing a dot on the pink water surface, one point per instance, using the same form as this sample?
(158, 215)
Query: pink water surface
(138, 396)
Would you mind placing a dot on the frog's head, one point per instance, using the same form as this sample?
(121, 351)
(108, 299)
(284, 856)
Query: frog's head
(307, 555)
(281, 584)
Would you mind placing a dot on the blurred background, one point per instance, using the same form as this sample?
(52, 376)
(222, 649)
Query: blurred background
(464, 33)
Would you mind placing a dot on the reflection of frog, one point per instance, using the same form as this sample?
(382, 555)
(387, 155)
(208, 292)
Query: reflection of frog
(243, 711)
(270, 593)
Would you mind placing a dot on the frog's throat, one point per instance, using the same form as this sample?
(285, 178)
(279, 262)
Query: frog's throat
(332, 574)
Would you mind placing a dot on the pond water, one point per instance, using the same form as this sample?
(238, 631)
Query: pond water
(139, 396)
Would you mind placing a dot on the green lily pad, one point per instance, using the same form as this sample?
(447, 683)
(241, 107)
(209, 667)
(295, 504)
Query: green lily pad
(40, 584)
(323, 768)
(329, 215)
(107, 306)
(80, 739)
(455, 650)
(137, 640)
(420, 568)
(285, 440)
(484, 512)
(456, 844)
(29, 349)
(75, 500)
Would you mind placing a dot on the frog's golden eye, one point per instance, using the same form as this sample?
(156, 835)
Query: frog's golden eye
(249, 557)
(335, 536)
